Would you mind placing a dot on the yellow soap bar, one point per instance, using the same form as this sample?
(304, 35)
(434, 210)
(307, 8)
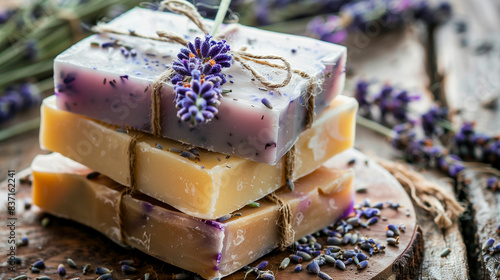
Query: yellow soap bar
(207, 247)
(199, 183)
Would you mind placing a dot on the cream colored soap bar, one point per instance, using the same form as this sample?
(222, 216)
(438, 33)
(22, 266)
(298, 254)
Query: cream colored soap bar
(207, 247)
(208, 185)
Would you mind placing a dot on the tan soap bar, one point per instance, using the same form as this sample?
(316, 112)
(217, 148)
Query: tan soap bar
(199, 183)
(207, 247)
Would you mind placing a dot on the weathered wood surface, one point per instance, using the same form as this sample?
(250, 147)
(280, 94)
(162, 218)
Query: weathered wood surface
(469, 64)
(63, 238)
(400, 59)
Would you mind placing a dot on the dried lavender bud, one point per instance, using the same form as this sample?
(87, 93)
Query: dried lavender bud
(445, 252)
(284, 263)
(102, 270)
(389, 233)
(262, 265)
(394, 229)
(266, 103)
(361, 257)
(39, 264)
(324, 276)
(304, 255)
(340, 264)
(334, 241)
(106, 276)
(487, 244)
(372, 221)
(329, 259)
(362, 265)
(86, 269)
(71, 263)
(266, 276)
(393, 241)
(127, 269)
(298, 268)
(313, 267)
(61, 270)
(35, 270)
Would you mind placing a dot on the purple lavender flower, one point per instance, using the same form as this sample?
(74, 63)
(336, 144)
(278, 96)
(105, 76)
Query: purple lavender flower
(492, 183)
(198, 100)
(208, 57)
(361, 95)
(430, 121)
(16, 99)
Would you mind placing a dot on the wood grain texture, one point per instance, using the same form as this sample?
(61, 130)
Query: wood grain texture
(63, 238)
(469, 63)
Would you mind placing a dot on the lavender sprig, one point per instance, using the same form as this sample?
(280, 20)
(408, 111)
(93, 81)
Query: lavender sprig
(208, 57)
(16, 99)
(198, 100)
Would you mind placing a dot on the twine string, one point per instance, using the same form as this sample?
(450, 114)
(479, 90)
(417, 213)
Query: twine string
(428, 195)
(284, 222)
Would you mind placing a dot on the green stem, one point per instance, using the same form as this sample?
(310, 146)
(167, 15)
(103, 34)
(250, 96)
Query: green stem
(221, 14)
(17, 129)
(375, 126)
(45, 85)
(31, 70)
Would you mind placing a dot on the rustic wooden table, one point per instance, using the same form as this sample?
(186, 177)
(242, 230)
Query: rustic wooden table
(464, 76)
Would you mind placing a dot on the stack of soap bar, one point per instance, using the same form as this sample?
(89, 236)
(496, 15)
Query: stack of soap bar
(104, 84)
(207, 247)
(200, 183)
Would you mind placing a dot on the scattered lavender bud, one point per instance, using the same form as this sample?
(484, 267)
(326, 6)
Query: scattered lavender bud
(362, 189)
(39, 264)
(296, 259)
(127, 269)
(394, 229)
(494, 250)
(35, 270)
(389, 233)
(367, 203)
(372, 221)
(266, 103)
(313, 267)
(498, 229)
(71, 263)
(316, 253)
(393, 241)
(354, 239)
(378, 205)
(254, 204)
(266, 276)
(61, 270)
(101, 270)
(284, 263)
(445, 252)
(45, 222)
(324, 276)
(334, 241)
(106, 276)
(304, 255)
(329, 259)
(488, 244)
(86, 269)
(340, 264)
(349, 261)
(298, 268)
(361, 257)
(262, 265)
(362, 265)
(158, 146)
(347, 238)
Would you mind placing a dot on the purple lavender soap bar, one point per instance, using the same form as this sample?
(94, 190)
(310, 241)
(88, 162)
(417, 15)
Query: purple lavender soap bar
(102, 80)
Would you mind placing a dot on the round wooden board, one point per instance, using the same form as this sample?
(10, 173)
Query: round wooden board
(63, 239)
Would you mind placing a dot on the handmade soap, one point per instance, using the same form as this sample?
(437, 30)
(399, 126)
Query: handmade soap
(105, 84)
(197, 182)
(206, 247)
